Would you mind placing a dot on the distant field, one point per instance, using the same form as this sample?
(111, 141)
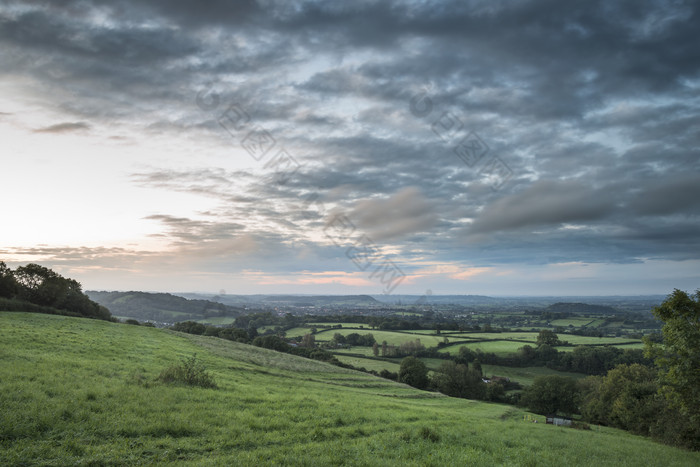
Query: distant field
(576, 322)
(525, 375)
(586, 340)
(356, 350)
(632, 345)
(370, 364)
(596, 323)
(345, 325)
(423, 331)
(297, 332)
(218, 320)
(84, 392)
(521, 336)
(395, 338)
(498, 347)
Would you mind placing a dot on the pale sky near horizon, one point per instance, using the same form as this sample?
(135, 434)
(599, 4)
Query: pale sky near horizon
(463, 147)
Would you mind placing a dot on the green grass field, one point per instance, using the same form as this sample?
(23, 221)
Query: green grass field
(497, 347)
(395, 338)
(587, 340)
(370, 364)
(83, 392)
(218, 320)
(345, 325)
(525, 375)
(576, 321)
(519, 336)
(297, 332)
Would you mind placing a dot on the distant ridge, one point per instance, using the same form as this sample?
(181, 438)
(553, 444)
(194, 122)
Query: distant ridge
(288, 300)
(161, 307)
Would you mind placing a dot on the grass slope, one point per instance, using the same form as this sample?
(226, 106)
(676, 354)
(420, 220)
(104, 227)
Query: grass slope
(78, 391)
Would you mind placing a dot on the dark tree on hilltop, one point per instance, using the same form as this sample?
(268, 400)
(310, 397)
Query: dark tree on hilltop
(8, 284)
(42, 286)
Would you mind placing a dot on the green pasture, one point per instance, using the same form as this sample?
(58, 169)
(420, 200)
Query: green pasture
(576, 322)
(371, 364)
(298, 332)
(344, 325)
(502, 347)
(391, 337)
(589, 340)
(525, 375)
(218, 320)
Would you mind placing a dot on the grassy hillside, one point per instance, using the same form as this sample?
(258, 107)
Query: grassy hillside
(76, 391)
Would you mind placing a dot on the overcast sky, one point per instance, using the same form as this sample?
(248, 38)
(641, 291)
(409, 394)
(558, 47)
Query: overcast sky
(462, 147)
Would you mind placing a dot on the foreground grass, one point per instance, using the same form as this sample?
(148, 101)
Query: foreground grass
(77, 391)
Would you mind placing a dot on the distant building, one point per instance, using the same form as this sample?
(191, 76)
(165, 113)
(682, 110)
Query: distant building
(559, 421)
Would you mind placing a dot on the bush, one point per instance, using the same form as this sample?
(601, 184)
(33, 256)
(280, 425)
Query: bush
(413, 372)
(190, 327)
(190, 372)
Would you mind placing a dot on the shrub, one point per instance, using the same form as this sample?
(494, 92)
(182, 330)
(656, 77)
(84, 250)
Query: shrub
(190, 372)
(429, 434)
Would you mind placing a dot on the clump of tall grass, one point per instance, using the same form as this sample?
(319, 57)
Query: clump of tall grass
(190, 372)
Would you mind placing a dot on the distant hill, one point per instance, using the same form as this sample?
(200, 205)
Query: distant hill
(161, 307)
(584, 308)
(289, 300)
(438, 299)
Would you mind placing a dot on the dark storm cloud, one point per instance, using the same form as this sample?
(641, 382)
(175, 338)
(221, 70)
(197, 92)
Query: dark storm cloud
(594, 107)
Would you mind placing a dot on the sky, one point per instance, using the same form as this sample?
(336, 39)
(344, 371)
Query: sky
(369, 147)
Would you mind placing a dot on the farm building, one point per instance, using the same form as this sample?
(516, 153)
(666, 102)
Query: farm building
(560, 421)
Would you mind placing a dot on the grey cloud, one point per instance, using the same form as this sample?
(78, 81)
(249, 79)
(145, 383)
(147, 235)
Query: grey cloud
(545, 203)
(407, 212)
(66, 127)
(678, 194)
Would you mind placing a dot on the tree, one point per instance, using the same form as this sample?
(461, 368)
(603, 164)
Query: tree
(678, 356)
(375, 349)
(190, 327)
(413, 372)
(308, 341)
(477, 367)
(38, 284)
(547, 337)
(42, 286)
(624, 398)
(8, 284)
(552, 394)
(252, 331)
(457, 380)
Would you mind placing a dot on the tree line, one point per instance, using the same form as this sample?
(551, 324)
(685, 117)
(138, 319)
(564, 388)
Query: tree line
(35, 288)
